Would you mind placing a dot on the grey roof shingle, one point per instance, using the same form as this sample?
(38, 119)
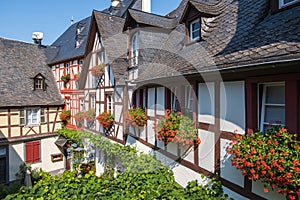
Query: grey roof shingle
(241, 33)
(121, 9)
(141, 17)
(19, 63)
(66, 42)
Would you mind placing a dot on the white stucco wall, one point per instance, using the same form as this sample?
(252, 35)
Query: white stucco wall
(228, 171)
(206, 99)
(16, 158)
(151, 102)
(232, 107)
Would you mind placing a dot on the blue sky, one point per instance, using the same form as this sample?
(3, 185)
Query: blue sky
(19, 18)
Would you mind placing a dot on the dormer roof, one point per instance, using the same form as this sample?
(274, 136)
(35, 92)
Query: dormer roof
(202, 9)
(138, 17)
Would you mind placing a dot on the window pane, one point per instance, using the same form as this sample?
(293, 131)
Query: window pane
(275, 94)
(274, 114)
(196, 26)
(288, 1)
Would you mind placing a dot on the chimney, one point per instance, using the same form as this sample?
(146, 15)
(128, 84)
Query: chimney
(37, 37)
(115, 3)
(146, 6)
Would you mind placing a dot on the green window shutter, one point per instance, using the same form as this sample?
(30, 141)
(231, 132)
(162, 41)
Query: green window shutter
(22, 118)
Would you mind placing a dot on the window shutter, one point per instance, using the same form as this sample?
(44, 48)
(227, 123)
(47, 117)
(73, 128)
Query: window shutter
(36, 151)
(43, 115)
(29, 152)
(33, 152)
(22, 118)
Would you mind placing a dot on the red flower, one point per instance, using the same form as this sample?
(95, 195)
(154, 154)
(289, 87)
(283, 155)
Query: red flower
(285, 153)
(272, 151)
(266, 190)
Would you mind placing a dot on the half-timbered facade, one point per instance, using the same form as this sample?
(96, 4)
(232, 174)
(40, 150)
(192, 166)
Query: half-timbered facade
(225, 68)
(30, 104)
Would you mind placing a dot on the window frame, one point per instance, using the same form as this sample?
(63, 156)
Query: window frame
(39, 82)
(263, 104)
(109, 105)
(282, 4)
(40, 116)
(191, 31)
(134, 50)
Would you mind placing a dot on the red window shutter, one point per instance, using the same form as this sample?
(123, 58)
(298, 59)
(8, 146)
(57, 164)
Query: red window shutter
(36, 151)
(29, 152)
(33, 152)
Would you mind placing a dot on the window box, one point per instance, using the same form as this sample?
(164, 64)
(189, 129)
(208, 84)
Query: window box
(56, 157)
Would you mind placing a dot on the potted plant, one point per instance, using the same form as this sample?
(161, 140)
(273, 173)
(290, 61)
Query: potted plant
(272, 158)
(137, 117)
(106, 119)
(77, 77)
(98, 70)
(175, 127)
(65, 116)
(79, 118)
(90, 116)
(65, 78)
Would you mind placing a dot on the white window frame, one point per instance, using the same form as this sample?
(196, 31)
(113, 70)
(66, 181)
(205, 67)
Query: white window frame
(193, 31)
(282, 4)
(262, 113)
(30, 116)
(93, 101)
(38, 83)
(174, 99)
(68, 104)
(109, 103)
(135, 50)
(81, 104)
(188, 97)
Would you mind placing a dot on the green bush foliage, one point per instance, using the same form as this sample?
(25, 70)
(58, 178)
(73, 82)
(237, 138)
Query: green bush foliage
(143, 177)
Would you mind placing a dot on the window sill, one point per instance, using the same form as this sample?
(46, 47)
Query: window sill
(193, 42)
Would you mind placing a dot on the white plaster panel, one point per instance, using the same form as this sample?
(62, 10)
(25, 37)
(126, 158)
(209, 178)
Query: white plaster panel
(118, 113)
(151, 102)
(160, 101)
(102, 94)
(233, 194)
(120, 132)
(228, 171)
(187, 153)
(206, 150)
(172, 148)
(112, 77)
(160, 144)
(150, 131)
(48, 147)
(232, 106)
(206, 103)
(16, 158)
(119, 94)
(130, 92)
(183, 175)
(258, 188)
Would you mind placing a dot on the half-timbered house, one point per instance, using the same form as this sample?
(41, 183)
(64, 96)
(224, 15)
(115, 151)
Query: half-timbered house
(30, 104)
(229, 65)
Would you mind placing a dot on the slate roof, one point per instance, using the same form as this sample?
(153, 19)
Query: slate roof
(66, 42)
(120, 11)
(114, 41)
(242, 33)
(19, 63)
(141, 17)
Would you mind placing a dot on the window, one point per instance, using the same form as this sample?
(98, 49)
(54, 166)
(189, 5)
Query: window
(195, 30)
(80, 65)
(67, 68)
(81, 101)
(32, 150)
(39, 83)
(135, 50)
(174, 99)
(283, 3)
(109, 103)
(32, 116)
(68, 107)
(272, 104)
(92, 101)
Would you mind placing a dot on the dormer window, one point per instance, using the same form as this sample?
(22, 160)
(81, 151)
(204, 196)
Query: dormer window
(134, 50)
(195, 30)
(39, 82)
(283, 3)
